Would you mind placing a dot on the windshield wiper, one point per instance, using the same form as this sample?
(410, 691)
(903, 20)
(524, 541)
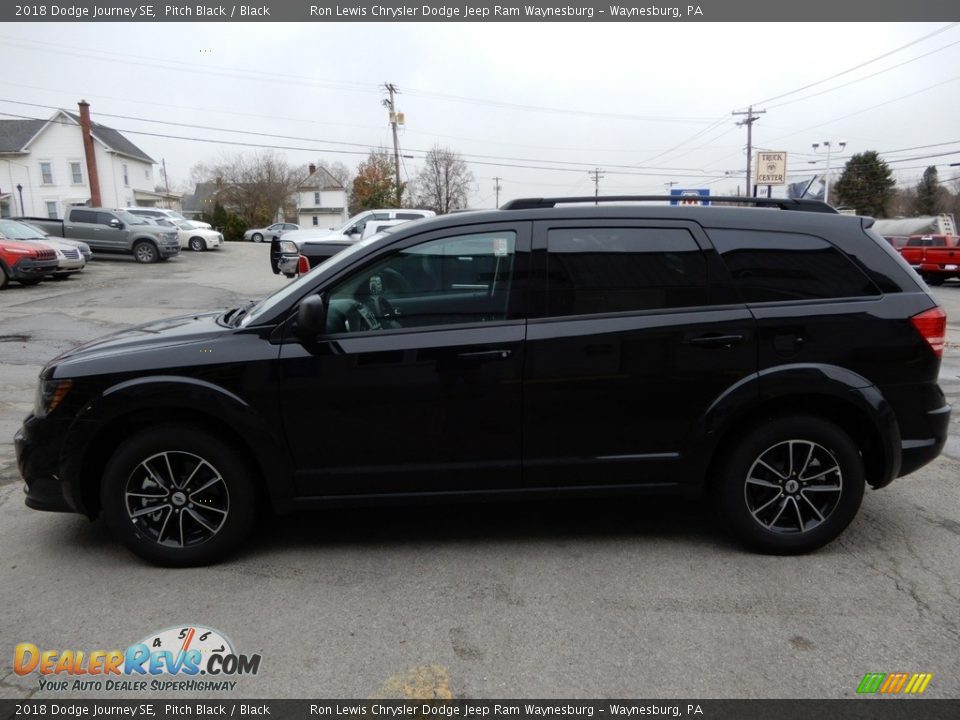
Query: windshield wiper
(240, 312)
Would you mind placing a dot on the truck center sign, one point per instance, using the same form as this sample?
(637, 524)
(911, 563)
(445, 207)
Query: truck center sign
(771, 168)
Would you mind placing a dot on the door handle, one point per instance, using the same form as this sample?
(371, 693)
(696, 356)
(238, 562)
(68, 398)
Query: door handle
(717, 340)
(486, 355)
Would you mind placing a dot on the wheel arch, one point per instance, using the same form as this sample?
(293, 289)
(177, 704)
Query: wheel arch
(133, 406)
(832, 393)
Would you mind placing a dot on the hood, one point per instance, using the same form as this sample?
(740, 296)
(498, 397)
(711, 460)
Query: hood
(135, 348)
(22, 247)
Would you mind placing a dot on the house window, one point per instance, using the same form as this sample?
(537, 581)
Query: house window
(46, 173)
(316, 199)
(146, 173)
(76, 173)
(51, 209)
(126, 176)
(316, 220)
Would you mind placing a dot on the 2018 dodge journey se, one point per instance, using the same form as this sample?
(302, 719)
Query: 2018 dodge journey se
(779, 358)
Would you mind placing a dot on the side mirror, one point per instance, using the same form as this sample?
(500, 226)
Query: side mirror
(311, 317)
(114, 223)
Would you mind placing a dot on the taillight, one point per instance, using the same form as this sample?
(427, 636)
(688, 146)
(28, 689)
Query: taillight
(303, 265)
(932, 325)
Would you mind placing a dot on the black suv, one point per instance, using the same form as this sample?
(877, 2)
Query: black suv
(778, 357)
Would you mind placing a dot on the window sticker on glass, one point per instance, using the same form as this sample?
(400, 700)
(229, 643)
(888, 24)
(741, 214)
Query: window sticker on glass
(500, 247)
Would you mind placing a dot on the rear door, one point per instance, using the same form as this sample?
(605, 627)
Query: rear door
(631, 346)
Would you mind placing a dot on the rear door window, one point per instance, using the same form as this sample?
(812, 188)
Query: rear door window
(593, 270)
(83, 216)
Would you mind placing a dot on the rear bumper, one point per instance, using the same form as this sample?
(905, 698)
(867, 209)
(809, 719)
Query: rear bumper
(918, 452)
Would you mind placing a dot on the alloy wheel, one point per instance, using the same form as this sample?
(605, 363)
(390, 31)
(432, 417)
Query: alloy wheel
(177, 499)
(793, 487)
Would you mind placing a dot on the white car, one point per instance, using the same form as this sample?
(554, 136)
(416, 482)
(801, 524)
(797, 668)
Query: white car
(191, 235)
(153, 214)
(353, 229)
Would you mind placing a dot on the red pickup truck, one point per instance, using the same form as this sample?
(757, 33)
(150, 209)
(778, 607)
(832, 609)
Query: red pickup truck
(935, 257)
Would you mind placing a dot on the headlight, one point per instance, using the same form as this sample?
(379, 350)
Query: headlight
(289, 247)
(50, 393)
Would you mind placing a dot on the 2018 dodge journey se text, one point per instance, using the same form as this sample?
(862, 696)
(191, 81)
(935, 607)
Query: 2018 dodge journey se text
(778, 358)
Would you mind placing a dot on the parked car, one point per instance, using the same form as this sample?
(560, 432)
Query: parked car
(85, 252)
(193, 236)
(269, 232)
(25, 262)
(69, 258)
(935, 257)
(155, 213)
(317, 247)
(331, 240)
(776, 360)
(115, 231)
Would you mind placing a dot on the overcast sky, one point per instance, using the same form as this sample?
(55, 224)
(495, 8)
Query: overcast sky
(648, 104)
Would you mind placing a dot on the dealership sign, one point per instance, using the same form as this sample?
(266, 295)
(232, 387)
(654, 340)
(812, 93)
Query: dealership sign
(771, 168)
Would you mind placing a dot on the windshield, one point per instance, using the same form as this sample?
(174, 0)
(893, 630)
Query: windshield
(186, 225)
(13, 230)
(298, 286)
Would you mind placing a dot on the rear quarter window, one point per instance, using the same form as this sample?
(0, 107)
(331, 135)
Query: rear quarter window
(83, 216)
(774, 266)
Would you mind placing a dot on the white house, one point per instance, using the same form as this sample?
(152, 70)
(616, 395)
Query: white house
(46, 159)
(321, 200)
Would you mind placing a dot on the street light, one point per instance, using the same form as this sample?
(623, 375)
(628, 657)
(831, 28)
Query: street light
(20, 190)
(826, 178)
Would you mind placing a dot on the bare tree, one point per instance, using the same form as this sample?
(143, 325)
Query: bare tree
(444, 182)
(256, 186)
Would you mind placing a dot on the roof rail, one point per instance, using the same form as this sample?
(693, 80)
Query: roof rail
(781, 203)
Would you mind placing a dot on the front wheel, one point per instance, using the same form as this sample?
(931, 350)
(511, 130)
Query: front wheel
(197, 244)
(933, 280)
(791, 485)
(178, 496)
(30, 282)
(145, 252)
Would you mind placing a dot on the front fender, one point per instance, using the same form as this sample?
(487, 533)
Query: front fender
(165, 398)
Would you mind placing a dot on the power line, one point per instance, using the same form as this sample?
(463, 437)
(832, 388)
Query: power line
(857, 67)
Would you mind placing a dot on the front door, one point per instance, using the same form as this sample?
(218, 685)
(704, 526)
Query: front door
(415, 386)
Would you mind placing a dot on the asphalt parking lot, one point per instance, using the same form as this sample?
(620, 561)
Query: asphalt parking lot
(605, 599)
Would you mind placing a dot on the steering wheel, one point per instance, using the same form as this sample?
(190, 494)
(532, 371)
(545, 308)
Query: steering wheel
(394, 281)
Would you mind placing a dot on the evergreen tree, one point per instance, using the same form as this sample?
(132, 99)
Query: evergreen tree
(866, 184)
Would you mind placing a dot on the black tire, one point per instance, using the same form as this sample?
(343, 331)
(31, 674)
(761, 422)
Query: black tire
(60, 276)
(145, 251)
(198, 244)
(805, 512)
(257, 237)
(3, 277)
(30, 282)
(189, 528)
(933, 280)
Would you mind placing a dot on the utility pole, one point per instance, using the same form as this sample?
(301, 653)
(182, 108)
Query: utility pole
(669, 185)
(166, 182)
(497, 188)
(596, 174)
(394, 120)
(749, 120)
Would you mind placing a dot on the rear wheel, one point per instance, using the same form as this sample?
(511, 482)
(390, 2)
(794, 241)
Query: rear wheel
(145, 252)
(257, 237)
(933, 280)
(792, 485)
(197, 244)
(178, 496)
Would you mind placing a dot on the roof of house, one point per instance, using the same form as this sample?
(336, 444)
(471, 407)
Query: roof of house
(14, 134)
(114, 140)
(320, 180)
(199, 199)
